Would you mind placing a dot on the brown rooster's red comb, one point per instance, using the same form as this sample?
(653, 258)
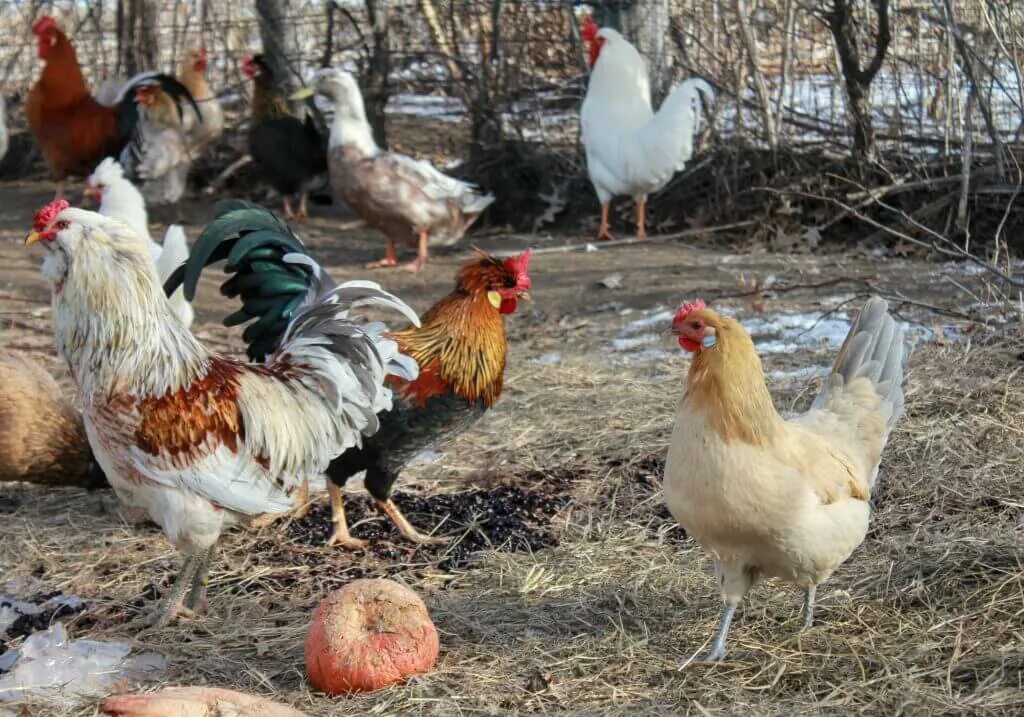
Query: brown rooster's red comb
(44, 24)
(687, 309)
(589, 30)
(45, 216)
(519, 266)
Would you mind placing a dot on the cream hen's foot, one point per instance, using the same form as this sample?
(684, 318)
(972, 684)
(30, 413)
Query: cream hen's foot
(390, 258)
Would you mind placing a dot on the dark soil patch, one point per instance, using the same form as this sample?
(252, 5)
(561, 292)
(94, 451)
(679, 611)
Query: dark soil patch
(508, 516)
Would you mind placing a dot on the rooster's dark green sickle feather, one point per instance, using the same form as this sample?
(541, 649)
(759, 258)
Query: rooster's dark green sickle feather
(254, 242)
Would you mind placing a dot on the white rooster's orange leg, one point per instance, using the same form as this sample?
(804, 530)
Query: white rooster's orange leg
(641, 218)
(390, 258)
(421, 254)
(340, 534)
(604, 233)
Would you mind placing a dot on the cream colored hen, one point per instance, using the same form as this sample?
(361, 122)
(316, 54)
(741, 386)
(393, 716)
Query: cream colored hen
(770, 497)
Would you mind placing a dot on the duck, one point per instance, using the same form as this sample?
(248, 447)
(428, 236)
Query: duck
(406, 199)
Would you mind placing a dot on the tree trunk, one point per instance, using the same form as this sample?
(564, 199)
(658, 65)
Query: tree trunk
(277, 47)
(137, 49)
(645, 23)
(376, 82)
(842, 23)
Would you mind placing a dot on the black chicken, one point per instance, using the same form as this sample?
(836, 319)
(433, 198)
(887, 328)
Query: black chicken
(290, 154)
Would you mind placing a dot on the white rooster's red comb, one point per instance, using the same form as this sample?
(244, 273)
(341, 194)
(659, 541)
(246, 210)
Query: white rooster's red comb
(589, 30)
(45, 216)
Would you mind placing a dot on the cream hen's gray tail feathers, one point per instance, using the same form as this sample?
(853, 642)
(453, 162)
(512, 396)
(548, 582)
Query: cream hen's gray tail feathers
(874, 349)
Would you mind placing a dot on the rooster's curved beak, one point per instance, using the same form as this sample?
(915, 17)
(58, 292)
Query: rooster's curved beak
(32, 238)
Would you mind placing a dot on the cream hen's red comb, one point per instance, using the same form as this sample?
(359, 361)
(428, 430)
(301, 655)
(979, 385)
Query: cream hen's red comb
(43, 24)
(688, 308)
(45, 216)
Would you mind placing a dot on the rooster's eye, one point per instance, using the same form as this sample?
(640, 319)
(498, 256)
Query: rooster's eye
(510, 283)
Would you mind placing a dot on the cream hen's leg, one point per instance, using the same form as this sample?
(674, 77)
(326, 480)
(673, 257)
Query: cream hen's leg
(303, 206)
(288, 212)
(734, 582)
(809, 606)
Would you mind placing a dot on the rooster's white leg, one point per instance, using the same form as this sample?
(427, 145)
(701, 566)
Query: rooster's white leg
(809, 606)
(421, 254)
(641, 218)
(172, 605)
(340, 534)
(390, 257)
(196, 600)
(604, 233)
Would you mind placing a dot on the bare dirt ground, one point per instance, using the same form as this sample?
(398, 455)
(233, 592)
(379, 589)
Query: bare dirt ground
(568, 589)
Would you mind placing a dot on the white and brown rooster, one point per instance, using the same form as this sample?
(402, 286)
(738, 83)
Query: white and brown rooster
(631, 149)
(197, 440)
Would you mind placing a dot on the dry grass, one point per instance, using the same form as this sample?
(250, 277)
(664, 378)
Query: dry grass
(926, 618)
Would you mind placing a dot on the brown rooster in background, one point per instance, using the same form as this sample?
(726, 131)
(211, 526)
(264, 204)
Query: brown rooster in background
(73, 130)
(42, 438)
(461, 349)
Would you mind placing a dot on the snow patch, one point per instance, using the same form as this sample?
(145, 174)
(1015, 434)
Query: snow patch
(52, 667)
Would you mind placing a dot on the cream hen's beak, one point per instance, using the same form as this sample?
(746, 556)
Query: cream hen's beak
(302, 94)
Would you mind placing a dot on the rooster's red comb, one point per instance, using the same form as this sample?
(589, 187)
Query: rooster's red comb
(45, 216)
(589, 30)
(688, 308)
(519, 266)
(44, 24)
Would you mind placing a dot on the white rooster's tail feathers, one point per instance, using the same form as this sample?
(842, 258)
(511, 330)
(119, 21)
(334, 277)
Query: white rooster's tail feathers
(874, 349)
(173, 254)
(670, 134)
(351, 358)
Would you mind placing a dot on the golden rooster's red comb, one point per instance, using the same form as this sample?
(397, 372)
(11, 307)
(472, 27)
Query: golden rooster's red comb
(43, 24)
(45, 216)
(519, 265)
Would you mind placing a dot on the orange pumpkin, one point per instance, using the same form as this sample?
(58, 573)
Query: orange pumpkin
(368, 635)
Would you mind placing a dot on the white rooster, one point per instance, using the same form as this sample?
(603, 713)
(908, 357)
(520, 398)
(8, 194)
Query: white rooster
(119, 198)
(632, 150)
(197, 440)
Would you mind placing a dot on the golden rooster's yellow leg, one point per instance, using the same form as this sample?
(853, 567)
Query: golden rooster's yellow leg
(604, 233)
(390, 258)
(421, 254)
(641, 218)
(405, 527)
(340, 534)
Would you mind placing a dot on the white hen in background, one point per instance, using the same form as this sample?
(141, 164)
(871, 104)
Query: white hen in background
(632, 150)
(120, 199)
